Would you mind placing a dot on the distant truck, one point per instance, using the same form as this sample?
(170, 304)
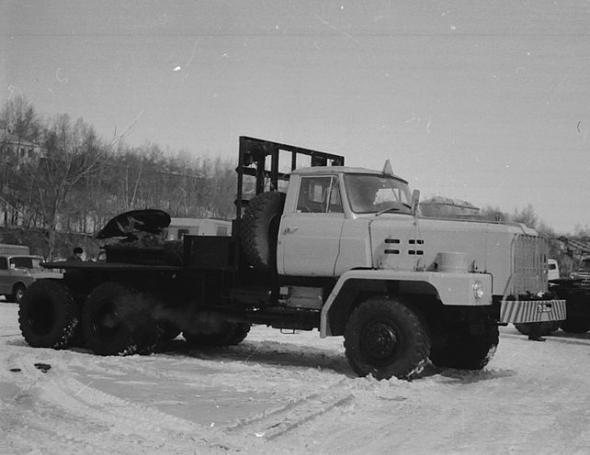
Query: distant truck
(576, 291)
(582, 272)
(340, 249)
(19, 269)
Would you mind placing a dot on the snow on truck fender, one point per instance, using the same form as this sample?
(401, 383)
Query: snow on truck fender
(452, 288)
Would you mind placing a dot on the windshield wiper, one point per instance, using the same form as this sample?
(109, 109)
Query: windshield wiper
(394, 208)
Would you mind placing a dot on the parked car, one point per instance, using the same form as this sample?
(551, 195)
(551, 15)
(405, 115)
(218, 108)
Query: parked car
(18, 272)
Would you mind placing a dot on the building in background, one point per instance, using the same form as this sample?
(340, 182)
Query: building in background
(179, 227)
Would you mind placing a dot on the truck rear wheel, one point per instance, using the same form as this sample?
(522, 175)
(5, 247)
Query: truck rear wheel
(385, 338)
(233, 334)
(48, 315)
(259, 229)
(116, 320)
(465, 350)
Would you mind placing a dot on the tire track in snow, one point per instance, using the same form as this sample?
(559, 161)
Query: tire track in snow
(279, 421)
(128, 426)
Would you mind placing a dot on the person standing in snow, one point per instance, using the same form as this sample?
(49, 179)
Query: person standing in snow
(535, 333)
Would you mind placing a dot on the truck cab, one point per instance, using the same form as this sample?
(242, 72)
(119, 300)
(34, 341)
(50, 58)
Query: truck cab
(325, 222)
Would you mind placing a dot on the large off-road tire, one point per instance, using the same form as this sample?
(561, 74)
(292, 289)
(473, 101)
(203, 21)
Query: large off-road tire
(259, 229)
(465, 350)
(575, 325)
(116, 320)
(385, 338)
(48, 315)
(18, 292)
(233, 334)
(543, 328)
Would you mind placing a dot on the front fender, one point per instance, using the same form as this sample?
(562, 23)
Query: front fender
(450, 288)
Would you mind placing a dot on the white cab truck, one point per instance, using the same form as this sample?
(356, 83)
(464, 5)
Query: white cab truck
(338, 249)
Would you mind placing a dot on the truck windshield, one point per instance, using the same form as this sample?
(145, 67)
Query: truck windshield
(369, 193)
(585, 265)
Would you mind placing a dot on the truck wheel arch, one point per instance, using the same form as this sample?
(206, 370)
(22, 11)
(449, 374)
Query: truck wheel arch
(355, 290)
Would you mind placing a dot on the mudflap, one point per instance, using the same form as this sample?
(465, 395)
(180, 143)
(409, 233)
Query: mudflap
(523, 311)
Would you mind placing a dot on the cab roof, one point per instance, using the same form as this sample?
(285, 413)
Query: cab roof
(318, 170)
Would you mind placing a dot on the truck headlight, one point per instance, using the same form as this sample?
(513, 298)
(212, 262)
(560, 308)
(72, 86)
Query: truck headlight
(478, 290)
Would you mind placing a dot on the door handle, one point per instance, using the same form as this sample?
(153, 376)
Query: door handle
(290, 230)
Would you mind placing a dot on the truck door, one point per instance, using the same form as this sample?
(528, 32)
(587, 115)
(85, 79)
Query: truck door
(309, 236)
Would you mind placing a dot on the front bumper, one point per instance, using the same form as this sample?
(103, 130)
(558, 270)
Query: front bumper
(522, 311)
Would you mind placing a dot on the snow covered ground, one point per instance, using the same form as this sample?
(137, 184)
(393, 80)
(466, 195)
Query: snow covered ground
(278, 393)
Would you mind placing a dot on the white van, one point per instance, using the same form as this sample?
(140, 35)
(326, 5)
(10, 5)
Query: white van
(552, 269)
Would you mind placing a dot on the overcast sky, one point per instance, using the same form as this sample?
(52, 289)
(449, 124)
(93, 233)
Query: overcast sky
(487, 101)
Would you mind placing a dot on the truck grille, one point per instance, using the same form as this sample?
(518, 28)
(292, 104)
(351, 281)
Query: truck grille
(529, 256)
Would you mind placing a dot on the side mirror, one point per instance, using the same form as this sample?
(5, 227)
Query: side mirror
(415, 201)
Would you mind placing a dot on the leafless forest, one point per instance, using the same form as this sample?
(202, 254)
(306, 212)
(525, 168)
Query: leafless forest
(59, 176)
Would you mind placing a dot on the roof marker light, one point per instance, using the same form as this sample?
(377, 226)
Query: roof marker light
(387, 169)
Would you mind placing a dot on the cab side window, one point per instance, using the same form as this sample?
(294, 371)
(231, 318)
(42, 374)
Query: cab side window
(3, 263)
(319, 195)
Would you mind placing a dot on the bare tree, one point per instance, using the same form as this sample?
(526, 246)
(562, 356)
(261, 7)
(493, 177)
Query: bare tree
(19, 131)
(71, 152)
(526, 216)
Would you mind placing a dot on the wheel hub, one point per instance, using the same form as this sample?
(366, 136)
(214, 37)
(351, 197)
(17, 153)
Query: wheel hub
(380, 341)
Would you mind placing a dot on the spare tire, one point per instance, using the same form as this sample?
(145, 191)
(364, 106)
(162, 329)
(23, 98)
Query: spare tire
(259, 229)
(48, 315)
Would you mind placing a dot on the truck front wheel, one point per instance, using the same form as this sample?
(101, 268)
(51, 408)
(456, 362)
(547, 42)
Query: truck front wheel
(385, 338)
(48, 315)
